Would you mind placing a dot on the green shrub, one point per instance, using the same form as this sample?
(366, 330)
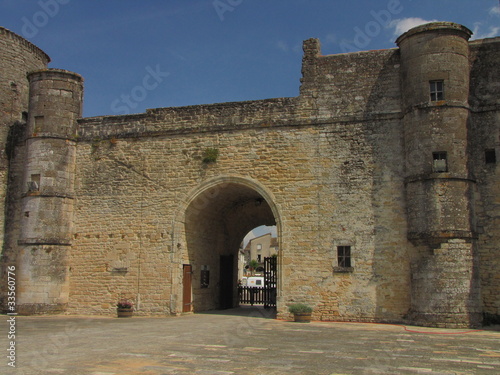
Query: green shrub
(210, 155)
(298, 308)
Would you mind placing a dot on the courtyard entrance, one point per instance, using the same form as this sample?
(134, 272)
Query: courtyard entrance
(265, 294)
(217, 218)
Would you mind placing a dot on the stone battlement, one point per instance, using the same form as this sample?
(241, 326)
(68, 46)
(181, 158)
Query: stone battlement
(19, 39)
(194, 119)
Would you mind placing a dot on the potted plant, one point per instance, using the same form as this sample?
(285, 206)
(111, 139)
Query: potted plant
(301, 312)
(124, 308)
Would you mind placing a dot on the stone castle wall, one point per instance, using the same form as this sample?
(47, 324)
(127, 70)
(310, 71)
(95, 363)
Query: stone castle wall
(324, 180)
(330, 168)
(485, 135)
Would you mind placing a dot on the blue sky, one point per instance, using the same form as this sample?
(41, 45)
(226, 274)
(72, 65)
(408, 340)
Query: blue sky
(147, 54)
(162, 53)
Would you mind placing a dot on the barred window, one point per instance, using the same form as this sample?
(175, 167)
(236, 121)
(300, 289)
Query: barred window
(344, 256)
(436, 90)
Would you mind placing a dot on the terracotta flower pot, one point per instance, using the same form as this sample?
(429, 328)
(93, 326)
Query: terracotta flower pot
(302, 317)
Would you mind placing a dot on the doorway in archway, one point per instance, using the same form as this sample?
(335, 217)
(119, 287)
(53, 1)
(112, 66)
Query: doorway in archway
(216, 221)
(260, 243)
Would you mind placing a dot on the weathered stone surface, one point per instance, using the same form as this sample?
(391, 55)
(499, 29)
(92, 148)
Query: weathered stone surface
(17, 58)
(128, 200)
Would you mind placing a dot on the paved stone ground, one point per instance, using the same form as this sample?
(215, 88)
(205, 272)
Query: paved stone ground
(241, 341)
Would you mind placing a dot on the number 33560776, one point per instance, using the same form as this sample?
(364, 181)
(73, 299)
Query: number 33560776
(11, 283)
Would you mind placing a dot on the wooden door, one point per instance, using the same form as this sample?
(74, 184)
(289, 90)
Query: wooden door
(187, 276)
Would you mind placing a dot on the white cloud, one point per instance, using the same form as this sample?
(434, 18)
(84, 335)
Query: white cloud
(402, 25)
(330, 39)
(286, 47)
(297, 48)
(282, 46)
(492, 31)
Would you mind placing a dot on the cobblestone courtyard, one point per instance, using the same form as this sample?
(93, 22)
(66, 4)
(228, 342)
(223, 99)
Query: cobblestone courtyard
(242, 341)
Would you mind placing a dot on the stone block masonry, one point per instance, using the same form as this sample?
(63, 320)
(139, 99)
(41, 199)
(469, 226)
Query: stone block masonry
(18, 57)
(116, 207)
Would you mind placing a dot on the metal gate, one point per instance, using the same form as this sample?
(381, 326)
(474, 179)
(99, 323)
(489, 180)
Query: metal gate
(270, 280)
(262, 296)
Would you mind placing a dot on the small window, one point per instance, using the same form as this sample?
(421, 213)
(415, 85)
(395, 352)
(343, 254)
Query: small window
(34, 183)
(39, 122)
(259, 258)
(440, 163)
(490, 156)
(344, 256)
(259, 247)
(436, 90)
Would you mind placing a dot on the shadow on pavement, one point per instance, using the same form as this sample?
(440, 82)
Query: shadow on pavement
(246, 311)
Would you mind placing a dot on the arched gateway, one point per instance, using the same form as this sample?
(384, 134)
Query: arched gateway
(211, 224)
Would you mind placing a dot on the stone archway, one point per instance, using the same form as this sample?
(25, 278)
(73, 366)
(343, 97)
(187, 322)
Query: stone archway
(217, 216)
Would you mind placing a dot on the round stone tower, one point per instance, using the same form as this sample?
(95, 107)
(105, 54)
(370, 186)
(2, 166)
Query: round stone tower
(439, 186)
(17, 58)
(47, 205)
